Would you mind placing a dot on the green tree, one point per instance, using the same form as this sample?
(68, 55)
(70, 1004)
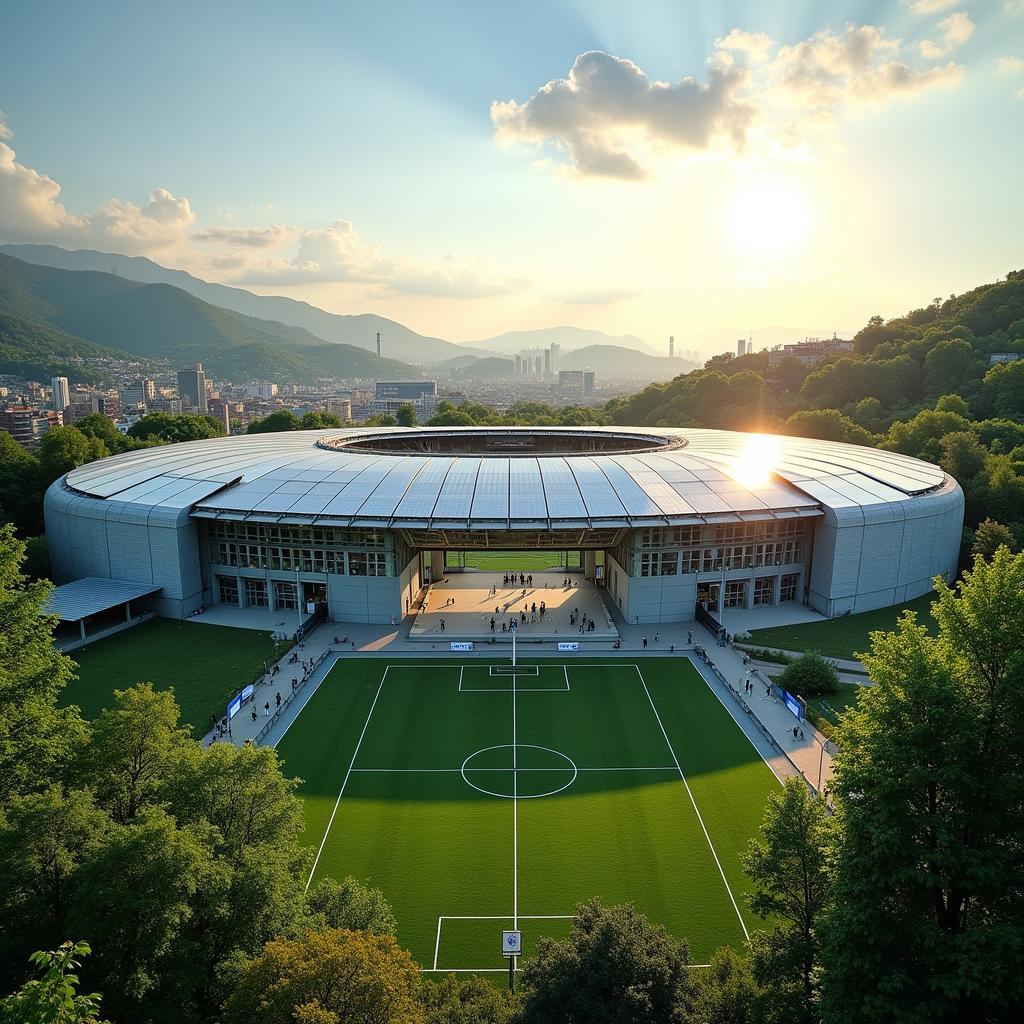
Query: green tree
(38, 740)
(990, 536)
(810, 675)
(319, 421)
(725, 990)
(172, 429)
(962, 455)
(953, 403)
(349, 904)
(53, 998)
(37, 558)
(63, 449)
(21, 490)
(406, 415)
(466, 999)
(276, 422)
(925, 924)
(616, 967)
(380, 419)
(948, 365)
(135, 745)
(451, 417)
(788, 865)
(327, 977)
(828, 424)
(102, 428)
(136, 895)
(1004, 388)
(44, 838)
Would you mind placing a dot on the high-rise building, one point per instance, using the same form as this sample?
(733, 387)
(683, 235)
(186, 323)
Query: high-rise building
(589, 379)
(671, 346)
(519, 365)
(61, 393)
(262, 389)
(138, 392)
(27, 424)
(192, 387)
(741, 347)
(547, 362)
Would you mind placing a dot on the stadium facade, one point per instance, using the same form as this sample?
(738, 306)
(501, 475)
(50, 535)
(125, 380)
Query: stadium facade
(361, 519)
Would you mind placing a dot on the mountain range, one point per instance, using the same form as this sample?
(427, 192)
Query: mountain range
(160, 322)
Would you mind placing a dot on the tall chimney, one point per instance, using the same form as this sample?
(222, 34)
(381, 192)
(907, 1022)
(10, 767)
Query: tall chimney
(378, 344)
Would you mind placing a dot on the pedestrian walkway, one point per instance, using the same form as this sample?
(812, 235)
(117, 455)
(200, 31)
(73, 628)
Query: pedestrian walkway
(812, 755)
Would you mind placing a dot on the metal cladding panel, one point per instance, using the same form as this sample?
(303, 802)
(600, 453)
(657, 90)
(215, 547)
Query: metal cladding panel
(526, 491)
(635, 500)
(456, 497)
(668, 499)
(560, 489)
(421, 497)
(355, 491)
(598, 494)
(491, 498)
(389, 492)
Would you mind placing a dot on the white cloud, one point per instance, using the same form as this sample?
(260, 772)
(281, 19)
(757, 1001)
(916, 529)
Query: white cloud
(931, 6)
(252, 238)
(755, 45)
(1010, 65)
(607, 118)
(1013, 6)
(956, 30)
(5, 132)
(607, 110)
(31, 210)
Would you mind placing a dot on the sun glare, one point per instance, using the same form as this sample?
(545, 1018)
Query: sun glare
(769, 218)
(753, 467)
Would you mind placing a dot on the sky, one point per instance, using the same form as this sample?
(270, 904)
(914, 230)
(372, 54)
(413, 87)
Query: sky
(699, 168)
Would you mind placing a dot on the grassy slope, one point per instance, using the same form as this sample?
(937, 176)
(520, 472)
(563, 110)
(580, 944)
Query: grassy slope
(204, 664)
(437, 847)
(845, 636)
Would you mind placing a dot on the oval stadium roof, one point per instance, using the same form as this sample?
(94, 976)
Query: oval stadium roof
(506, 477)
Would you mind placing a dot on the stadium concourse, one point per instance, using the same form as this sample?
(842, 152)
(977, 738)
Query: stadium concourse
(487, 604)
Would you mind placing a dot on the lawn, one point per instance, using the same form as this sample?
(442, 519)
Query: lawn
(205, 665)
(845, 636)
(478, 804)
(520, 561)
(831, 706)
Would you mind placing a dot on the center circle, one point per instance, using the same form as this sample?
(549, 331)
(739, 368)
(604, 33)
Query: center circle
(543, 765)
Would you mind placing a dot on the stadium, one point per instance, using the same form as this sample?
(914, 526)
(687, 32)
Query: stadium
(357, 522)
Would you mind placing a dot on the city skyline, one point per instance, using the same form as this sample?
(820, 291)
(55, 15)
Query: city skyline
(676, 169)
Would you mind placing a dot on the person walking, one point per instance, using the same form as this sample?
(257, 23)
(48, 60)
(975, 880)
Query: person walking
(645, 643)
(689, 637)
(266, 709)
(278, 698)
(442, 625)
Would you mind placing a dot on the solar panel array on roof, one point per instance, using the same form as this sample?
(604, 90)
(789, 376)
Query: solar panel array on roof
(291, 474)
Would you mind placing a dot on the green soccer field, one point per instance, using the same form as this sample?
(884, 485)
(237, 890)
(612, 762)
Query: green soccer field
(478, 802)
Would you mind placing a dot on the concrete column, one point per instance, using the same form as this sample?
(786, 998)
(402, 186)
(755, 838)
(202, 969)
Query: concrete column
(589, 564)
(127, 611)
(777, 589)
(436, 565)
(81, 627)
(750, 592)
(240, 584)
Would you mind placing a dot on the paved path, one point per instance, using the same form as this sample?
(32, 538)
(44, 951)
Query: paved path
(843, 664)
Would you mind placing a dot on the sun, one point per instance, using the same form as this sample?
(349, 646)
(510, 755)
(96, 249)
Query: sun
(769, 218)
(753, 466)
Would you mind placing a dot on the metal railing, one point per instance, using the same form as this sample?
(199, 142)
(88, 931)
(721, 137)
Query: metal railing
(306, 676)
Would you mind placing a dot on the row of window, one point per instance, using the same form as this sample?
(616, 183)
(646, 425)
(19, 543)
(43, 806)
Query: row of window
(764, 591)
(337, 563)
(266, 533)
(728, 533)
(746, 556)
(256, 593)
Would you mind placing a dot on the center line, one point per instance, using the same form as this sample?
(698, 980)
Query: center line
(515, 814)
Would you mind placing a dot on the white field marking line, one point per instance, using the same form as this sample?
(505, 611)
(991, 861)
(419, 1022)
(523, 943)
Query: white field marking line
(461, 670)
(309, 696)
(515, 817)
(344, 783)
(438, 771)
(696, 809)
(707, 683)
(530, 689)
(565, 669)
(437, 942)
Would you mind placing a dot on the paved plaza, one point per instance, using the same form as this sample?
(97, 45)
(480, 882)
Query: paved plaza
(463, 606)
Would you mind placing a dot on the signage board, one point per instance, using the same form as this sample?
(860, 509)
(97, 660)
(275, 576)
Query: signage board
(568, 645)
(462, 645)
(512, 943)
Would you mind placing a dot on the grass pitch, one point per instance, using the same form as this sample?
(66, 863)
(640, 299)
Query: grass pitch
(845, 636)
(204, 664)
(478, 802)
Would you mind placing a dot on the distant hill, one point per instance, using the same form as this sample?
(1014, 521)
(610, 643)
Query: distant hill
(360, 331)
(37, 351)
(569, 338)
(614, 360)
(158, 321)
(609, 360)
